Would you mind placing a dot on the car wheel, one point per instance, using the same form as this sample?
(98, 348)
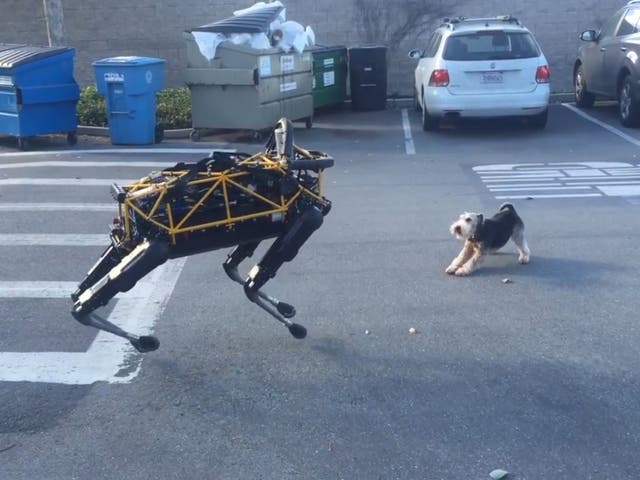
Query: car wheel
(416, 102)
(628, 106)
(429, 122)
(539, 121)
(584, 98)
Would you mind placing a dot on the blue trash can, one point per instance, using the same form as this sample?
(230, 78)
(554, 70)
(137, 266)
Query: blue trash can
(129, 85)
(38, 93)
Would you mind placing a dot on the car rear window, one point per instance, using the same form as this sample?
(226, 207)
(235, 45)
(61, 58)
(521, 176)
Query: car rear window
(491, 45)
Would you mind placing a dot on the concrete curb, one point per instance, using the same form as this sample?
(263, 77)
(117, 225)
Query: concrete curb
(392, 103)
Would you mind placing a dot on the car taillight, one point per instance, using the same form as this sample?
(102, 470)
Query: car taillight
(439, 78)
(543, 74)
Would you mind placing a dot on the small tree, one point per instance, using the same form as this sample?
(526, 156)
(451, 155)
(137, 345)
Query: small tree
(392, 21)
(54, 19)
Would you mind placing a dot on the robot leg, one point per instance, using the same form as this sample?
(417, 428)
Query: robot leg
(240, 253)
(121, 278)
(109, 259)
(283, 249)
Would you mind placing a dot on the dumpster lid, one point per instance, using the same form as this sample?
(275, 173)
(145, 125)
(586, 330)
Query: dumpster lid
(17, 55)
(128, 60)
(257, 21)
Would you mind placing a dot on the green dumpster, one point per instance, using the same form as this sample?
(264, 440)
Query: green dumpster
(329, 76)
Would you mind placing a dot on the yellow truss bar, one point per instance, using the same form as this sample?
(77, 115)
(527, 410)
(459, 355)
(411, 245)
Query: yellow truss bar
(230, 221)
(254, 194)
(200, 202)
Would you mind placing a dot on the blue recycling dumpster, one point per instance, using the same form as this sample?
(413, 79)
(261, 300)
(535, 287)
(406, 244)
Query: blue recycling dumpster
(38, 93)
(129, 85)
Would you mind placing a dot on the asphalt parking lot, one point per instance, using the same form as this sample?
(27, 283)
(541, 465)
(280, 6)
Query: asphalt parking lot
(537, 376)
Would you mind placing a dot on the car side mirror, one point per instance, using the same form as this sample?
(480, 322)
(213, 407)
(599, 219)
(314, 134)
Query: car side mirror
(588, 36)
(415, 54)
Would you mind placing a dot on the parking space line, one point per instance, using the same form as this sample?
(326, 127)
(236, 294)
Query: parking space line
(37, 289)
(408, 139)
(602, 124)
(65, 182)
(55, 207)
(116, 151)
(553, 195)
(81, 163)
(53, 240)
(109, 358)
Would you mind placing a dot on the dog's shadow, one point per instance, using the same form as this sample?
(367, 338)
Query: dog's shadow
(561, 271)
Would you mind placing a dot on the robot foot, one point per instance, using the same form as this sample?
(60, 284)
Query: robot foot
(285, 309)
(143, 343)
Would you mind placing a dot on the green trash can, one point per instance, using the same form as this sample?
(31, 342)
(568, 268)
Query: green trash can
(329, 76)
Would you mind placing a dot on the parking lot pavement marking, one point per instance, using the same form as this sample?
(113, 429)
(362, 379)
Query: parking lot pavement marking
(561, 180)
(116, 151)
(53, 240)
(602, 124)
(109, 359)
(81, 163)
(408, 139)
(65, 182)
(56, 207)
(36, 289)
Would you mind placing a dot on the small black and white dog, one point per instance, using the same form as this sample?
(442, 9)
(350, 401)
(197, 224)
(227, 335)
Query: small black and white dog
(483, 236)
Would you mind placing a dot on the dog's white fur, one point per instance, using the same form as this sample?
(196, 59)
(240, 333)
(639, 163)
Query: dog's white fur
(474, 249)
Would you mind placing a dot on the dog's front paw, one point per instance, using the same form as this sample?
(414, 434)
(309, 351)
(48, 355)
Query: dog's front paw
(523, 259)
(451, 269)
(462, 272)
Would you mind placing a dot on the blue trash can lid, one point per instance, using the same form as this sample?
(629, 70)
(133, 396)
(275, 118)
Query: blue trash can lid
(128, 60)
(16, 55)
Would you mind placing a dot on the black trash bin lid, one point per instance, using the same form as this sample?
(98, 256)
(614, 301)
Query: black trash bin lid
(258, 21)
(21, 54)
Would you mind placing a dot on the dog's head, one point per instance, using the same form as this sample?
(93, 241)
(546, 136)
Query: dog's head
(466, 226)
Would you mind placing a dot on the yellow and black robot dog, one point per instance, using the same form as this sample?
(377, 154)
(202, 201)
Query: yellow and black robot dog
(222, 201)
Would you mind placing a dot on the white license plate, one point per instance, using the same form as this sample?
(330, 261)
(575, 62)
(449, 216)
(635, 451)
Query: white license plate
(491, 77)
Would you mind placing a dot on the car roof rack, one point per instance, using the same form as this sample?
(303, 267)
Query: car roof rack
(452, 22)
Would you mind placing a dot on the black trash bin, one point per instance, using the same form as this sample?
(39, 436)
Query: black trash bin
(368, 77)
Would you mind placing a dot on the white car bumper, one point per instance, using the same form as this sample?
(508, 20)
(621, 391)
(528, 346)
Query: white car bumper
(442, 103)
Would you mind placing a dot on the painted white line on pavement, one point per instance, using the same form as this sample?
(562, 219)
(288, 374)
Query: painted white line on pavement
(36, 289)
(66, 182)
(551, 195)
(116, 151)
(53, 240)
(508, 189)
(602, 124)
(408, 139)
(79, 163)
(55, 207)
(619, 190)
(109, 358)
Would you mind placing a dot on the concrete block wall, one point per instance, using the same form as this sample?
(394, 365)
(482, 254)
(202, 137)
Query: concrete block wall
(99, 28)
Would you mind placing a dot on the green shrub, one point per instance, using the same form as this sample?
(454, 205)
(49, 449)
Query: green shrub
(173, 108)
(91, 108)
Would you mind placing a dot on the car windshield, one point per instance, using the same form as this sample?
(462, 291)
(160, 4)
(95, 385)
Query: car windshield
(491, 45)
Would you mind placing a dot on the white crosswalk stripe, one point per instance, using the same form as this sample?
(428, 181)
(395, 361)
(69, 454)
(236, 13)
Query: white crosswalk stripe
(109, 358)
(561, 180)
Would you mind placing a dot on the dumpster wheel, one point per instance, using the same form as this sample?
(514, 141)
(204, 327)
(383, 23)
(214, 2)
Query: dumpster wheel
(308, 122)
(23, 143)
(194, 135)
(72, 138)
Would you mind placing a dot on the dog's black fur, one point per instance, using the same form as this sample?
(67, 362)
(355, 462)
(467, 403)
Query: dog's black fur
(496, 231)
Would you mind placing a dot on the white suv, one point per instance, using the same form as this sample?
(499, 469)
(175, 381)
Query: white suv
(482, 67)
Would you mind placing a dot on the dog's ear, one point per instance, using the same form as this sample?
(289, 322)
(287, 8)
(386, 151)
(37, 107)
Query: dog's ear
(480, 219)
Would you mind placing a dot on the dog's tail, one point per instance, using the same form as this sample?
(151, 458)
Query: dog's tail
(506, 206)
